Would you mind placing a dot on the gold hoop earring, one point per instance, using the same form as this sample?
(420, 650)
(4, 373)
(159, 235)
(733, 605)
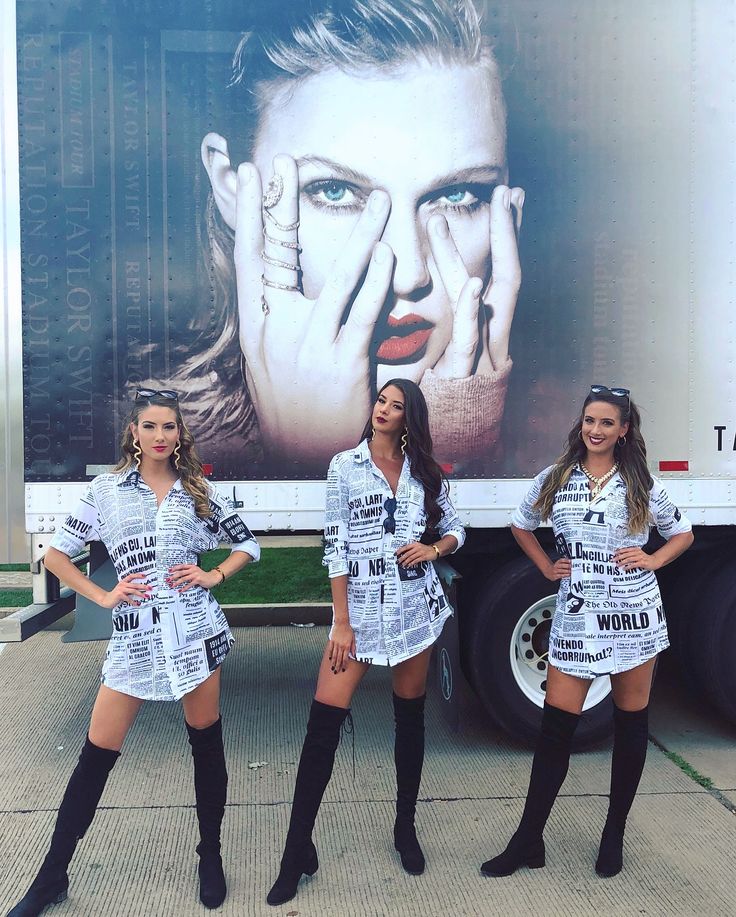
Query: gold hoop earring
(580, 434)
(404, 441)
(177, 454)
(622, 444)
(137, 453)
(373, 432)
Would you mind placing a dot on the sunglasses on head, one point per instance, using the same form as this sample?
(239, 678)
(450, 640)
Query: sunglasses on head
(143, 393)
(389, 523)
(605, 390)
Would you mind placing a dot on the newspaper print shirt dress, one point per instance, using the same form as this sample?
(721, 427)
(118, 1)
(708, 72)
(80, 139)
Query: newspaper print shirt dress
(395, 612)
(607, 619)
(171, 642)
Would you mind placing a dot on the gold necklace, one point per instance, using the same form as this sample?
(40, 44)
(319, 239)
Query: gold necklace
(598, 483)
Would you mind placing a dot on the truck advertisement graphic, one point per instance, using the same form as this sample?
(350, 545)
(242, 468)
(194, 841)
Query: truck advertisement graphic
(503, 201)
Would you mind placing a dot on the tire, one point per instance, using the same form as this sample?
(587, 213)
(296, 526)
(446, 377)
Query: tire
(506, 655)
(713, 640)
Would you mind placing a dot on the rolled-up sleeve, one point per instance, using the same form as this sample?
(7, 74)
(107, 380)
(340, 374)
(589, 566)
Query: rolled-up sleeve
(666, 516)
(79, 527)
(228, 525)
(450, 521)
(526, 516)
(337, 519)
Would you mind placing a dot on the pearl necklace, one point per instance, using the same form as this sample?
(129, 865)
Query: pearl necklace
(598, 483)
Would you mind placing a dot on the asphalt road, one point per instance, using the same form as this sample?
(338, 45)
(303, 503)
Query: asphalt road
(138, 858)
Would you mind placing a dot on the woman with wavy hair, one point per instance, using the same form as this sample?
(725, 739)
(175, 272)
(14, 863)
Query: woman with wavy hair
(361, 225)
(388, 516)
(155, 513)
(601, 500)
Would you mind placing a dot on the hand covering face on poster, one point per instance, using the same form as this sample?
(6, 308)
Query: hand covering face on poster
(390, 231)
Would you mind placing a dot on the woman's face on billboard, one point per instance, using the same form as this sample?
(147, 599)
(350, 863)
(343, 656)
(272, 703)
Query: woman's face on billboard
(432, 136)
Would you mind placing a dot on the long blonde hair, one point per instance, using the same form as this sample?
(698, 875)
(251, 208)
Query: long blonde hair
(631, 458)
(189, 466)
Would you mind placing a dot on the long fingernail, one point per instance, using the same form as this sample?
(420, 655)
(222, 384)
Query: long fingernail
(520, 200)
(507, 199)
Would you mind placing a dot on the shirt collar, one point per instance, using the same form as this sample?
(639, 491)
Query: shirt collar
(132, 476)
(362, 453)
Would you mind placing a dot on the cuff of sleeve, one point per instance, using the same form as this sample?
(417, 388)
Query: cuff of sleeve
(459, 536)
(465, 414)
(248, 547)
(337, 570)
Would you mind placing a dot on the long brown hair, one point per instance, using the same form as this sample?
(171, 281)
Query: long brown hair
(190, 467)
(422, 463)
(631, 458)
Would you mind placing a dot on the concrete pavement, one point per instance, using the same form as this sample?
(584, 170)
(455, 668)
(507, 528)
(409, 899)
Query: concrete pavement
(138, 858)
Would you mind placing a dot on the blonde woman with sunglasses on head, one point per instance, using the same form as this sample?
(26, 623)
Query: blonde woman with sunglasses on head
(601, 500)
(155, 513)
(383, 496)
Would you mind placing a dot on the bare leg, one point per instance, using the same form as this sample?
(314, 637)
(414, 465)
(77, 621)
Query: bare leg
(202, 705)
(112, 716)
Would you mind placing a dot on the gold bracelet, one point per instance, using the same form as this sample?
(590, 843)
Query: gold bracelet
(221, 574)
(437, 551)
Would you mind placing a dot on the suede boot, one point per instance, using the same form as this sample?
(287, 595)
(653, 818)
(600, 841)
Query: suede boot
(315, 769)
(630, 740)
(210, 789)
(76, 812)
(549, 769)
(409, 759)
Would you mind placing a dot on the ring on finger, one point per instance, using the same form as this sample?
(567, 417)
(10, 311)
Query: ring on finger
(282, 242)
(289, 287)
(273, 192)
(275, 262)
(284, 227)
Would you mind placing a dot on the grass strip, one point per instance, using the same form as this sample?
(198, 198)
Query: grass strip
(688, 769)
(10, 598)
(282, 575)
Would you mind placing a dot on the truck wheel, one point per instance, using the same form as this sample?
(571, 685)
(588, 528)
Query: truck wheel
(507, 655)
(714, 638)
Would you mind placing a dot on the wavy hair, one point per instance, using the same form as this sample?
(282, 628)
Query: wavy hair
(276, 50)
(422, 462)
(190, 467)
(631, 458)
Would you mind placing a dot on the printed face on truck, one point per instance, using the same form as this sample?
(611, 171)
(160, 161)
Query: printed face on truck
(430, 138)
(157, 432)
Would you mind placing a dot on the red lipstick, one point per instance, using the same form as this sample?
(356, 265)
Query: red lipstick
(405, 346)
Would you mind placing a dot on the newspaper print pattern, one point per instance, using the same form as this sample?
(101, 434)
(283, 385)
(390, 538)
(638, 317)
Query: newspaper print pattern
(170, 643)
(607, 619)
(395, 612)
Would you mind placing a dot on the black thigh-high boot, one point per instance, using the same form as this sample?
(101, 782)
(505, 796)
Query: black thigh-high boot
(315, 769)
(210, 789)
(549, 769)
(630, 739)
(76, 812)
(409, 758)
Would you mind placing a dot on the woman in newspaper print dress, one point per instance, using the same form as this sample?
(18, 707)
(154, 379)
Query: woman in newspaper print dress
(155, 513)
(388, 609)
(601, 500)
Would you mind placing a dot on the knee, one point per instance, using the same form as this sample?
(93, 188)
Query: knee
(104, 742)
(201, 721)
